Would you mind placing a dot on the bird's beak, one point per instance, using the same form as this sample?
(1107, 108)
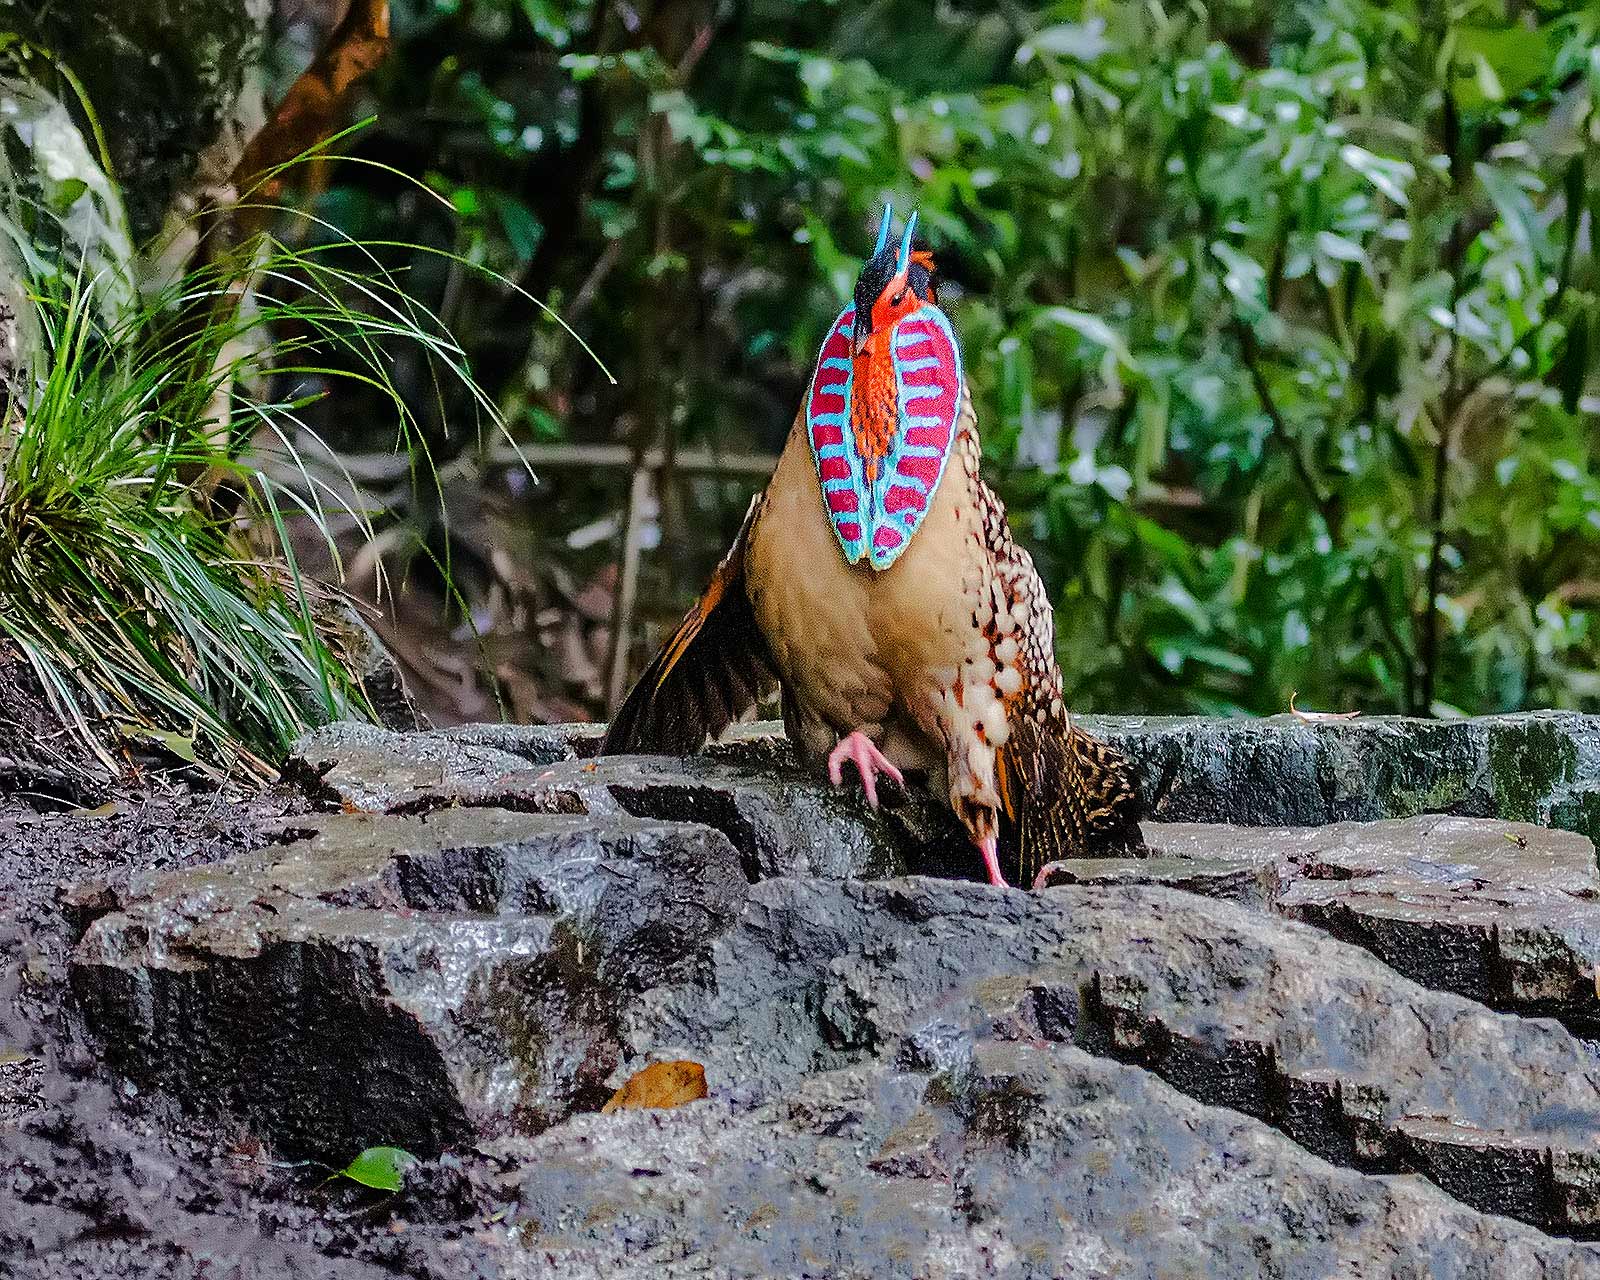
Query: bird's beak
(859, 335)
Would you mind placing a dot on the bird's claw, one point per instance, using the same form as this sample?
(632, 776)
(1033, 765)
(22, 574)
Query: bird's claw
(869, 762)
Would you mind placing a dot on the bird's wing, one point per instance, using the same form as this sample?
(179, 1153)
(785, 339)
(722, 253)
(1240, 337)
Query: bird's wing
(1062, 792)
(713, 669)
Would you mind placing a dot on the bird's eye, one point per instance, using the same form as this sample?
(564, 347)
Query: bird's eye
(898, 298)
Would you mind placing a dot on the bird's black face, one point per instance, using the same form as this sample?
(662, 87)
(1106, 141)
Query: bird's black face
(883, 295)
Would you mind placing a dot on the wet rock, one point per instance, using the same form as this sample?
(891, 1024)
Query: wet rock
(783, 819)
(372, 769)
(1506, 913)
(1281, 771)
(1027, 1162)
(1577, 808)
(1237, 1009)
(407, 980)
(533, 744)
(786, 822)
(1176, 1062)
(426, 980)
(1540, 767)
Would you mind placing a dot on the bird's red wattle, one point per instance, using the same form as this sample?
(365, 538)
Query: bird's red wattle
(881, 422)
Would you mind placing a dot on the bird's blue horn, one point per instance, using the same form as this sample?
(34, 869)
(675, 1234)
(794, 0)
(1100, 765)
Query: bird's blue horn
(904, 260)
(883, 229)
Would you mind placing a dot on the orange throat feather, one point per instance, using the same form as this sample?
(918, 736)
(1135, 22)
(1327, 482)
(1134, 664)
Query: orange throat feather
(881, 423)
(874, 412)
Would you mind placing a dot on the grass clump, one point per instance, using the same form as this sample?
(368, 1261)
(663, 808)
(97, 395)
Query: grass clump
(136, 608)
(147, 608)
(152, 484)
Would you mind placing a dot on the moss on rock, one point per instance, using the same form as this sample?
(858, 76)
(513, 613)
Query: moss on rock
(1529, 759)
(167, 80)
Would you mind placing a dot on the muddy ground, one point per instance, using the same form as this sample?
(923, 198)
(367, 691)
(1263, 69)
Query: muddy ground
(98, 1179)
(1175, 1064)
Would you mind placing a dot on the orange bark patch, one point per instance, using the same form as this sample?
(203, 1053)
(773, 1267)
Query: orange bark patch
(310, 111)
(661, 1084)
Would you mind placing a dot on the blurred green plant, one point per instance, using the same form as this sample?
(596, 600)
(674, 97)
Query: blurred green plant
(1280, 319)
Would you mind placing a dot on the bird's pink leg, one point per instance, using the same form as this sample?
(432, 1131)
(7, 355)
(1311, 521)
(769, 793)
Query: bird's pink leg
(989, 846)
(868, 760)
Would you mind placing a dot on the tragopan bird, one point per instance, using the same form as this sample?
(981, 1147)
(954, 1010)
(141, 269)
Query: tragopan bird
(877, 584)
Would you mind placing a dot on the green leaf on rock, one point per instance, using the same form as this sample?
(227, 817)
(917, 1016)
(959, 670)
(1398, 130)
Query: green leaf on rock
(175, 744)
(381, 1168)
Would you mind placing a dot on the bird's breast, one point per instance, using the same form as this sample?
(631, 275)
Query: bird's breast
(859, 646)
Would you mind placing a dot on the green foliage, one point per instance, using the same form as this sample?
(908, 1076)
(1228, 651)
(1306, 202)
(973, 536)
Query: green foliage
(62, 210)
(1280, 319)
(138, 608)
(381, 1168)
(151, 469)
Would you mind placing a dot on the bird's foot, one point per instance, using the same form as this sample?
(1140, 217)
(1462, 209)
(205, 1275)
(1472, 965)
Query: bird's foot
(868, 760)
(1045, 872)
(989, 846)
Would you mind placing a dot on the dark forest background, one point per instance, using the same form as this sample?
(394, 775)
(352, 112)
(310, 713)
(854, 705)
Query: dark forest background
(1280, 321)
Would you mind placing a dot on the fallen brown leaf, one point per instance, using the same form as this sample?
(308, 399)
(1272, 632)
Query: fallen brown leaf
(661, 1084)
(1311, 717)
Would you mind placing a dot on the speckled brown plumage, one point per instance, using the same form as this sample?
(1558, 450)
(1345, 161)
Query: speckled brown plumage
(1063, 792)
(945, 660)
(938, 661)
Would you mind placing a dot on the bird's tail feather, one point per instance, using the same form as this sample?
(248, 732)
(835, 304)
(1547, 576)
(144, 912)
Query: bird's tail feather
(1064, 794)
